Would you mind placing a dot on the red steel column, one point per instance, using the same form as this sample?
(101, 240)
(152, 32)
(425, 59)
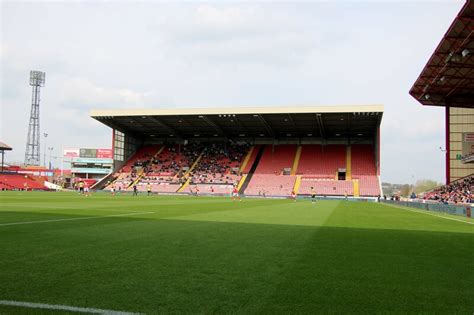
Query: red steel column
(448, 162)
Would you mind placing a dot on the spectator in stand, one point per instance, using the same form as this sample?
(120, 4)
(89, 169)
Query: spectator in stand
(456, 192)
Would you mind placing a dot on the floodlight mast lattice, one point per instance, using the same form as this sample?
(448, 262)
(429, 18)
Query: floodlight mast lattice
(32, 153)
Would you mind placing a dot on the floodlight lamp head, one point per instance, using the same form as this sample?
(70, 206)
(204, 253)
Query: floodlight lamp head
(37, 78)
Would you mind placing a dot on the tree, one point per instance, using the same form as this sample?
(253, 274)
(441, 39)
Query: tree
(406, 190)
(425, 185)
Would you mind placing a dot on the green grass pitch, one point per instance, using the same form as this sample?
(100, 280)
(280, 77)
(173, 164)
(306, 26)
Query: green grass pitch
(164, 254)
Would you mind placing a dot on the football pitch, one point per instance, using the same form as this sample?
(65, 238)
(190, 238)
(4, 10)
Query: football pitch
(188, 255)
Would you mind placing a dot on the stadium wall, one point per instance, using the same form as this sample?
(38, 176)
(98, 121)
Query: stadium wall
(123, 147)
(465, 211)
(459, 122)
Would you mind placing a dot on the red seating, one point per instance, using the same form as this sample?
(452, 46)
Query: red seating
(19, 181)
(322, 161)
(326, 187)
(369, 186)
(219, 178)
(219, 164)
(214, 189)
(364, 169)
(276, 158)
(142, 154)
(159, 187)
(251, 160)
(363, 160)
(170, 160)
(271, 185)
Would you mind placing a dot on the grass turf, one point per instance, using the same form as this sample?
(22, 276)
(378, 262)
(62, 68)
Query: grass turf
(212, 255)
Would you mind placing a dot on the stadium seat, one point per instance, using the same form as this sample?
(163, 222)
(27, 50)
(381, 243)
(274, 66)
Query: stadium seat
(326, 187)
(271, 185)
(322, 161)
(19, 182)
(276, 158)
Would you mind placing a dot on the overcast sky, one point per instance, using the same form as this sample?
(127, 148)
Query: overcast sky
(154, 54)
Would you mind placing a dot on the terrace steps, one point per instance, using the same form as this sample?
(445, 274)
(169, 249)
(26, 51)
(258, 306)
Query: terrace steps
(297, 185)
(186, 175)
(246, 159)
(252, 169)
(241, 182)
(296, 161)
(186, 184)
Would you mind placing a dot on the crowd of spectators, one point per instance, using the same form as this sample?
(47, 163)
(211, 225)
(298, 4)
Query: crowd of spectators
(170, 164)
(167, 163)
(457, 192)
(220, 164)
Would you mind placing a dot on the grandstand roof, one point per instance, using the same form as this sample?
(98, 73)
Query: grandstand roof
(448, 77)
(270, 122)
(5, 147)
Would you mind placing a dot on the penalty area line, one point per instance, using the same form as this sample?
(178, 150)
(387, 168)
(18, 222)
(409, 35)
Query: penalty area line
(76, 219)
(64, 308)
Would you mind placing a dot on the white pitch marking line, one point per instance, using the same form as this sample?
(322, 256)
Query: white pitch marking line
(73, 219)
(65, 308)
(39, 209)
(432, 214)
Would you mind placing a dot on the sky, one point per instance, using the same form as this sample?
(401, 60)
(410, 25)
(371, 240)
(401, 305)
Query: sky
(119, 54)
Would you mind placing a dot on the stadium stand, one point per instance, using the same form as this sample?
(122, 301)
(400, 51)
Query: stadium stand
(271, 185)
(140, 158)
(460, 191)
(221, 189)
(364, 169)
(272, 174)
(168, 169)
(251, 160)
(369, 186)
(217, 169)
(322, 161)
(326, 187)
(276, 158)
(287, 148)
(19, 182)
(363, 160)
(219, 164)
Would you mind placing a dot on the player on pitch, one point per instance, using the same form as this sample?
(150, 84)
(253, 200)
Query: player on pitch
(235, 194)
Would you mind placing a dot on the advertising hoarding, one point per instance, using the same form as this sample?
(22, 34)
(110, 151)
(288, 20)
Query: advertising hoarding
(104, 153)
(72, 153)
(88, 153)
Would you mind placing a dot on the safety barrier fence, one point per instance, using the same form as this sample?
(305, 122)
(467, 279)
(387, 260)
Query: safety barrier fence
(455, 209)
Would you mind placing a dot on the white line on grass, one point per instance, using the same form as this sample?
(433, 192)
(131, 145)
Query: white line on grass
(432, 214)
(43, 208)
(74, 219)
(65, 308)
